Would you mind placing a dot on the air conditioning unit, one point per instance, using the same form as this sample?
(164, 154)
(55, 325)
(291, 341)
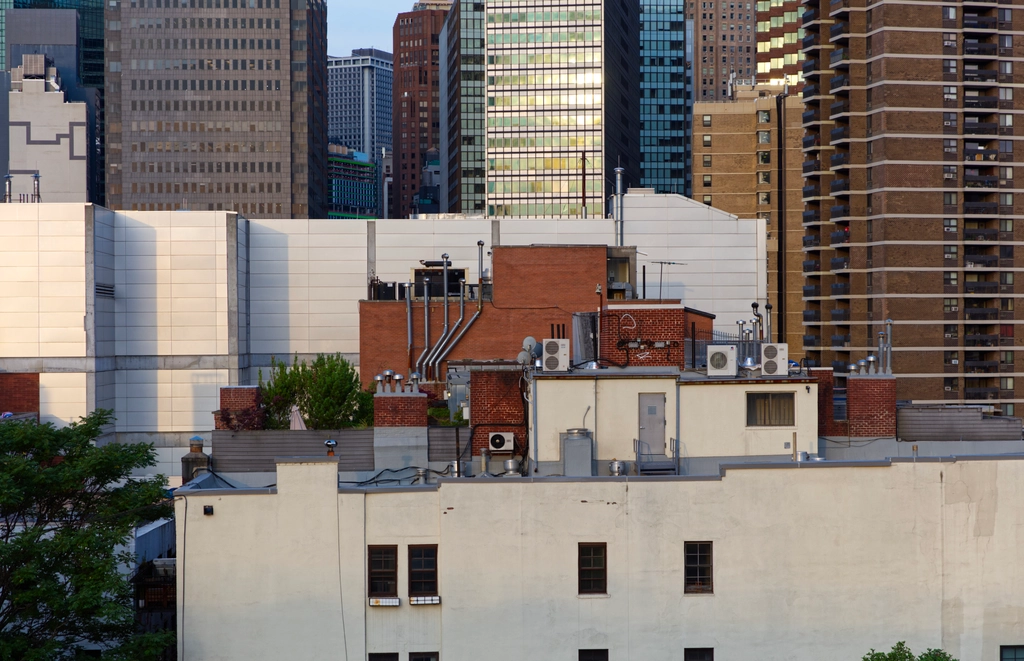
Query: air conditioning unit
(948, 175)
(949, 150)
(954, 309)
(948, 123)
(949, 229)
(555, 357)
(775, 359)
(501, 442)
(948, 388)
(722, 360)
(954, 362)
(949, 335)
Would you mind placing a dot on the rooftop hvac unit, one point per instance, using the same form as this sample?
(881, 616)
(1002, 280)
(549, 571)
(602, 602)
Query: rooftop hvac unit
(501, 442)
(722, 360)
(775, 359)
(555, 356)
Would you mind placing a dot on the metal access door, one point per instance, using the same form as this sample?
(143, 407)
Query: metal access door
(652, 422)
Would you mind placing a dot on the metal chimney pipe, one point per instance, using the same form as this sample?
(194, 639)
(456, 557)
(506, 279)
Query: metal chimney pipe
(426, 325)
(888, 346)
(480, 266)
(768, 321)
(35, 189)
(439, 351)
(757, 315)
(408, 324)
(619, 192)
(881, 353)
(444, 329)
(8, 182)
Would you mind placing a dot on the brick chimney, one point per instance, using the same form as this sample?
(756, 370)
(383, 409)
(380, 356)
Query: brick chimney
(235, 400)
(399, 405)
(871, 405)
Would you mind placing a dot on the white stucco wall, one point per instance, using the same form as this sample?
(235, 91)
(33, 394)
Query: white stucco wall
(810, 562)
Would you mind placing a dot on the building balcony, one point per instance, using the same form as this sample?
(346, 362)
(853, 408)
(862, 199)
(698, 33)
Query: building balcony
(839, 133)
(841, 57)
(839, 107)
(812, 341)
(808, 66)
(839, 159)
(839, 314)
(837, 82)
(813, 140)
(810, 16)
(981, 181)
(840, 289)
(839, 263)
(981, 314)
(981, 365)
(809, 116)
(809, 41)
(840, 237)
(840, 367)
(811, 291)
(981, 102)
(842, 340)
(838, 29)
(812, 315)
(981, 340)
(811, 266)
(975, 22)
(973, 155)
(974, 261)
(980, 76)
(981, 393)
(980, 128)
(839, 185)
(811, 90)
(839, 211)
(811, 166)
(980, 207)
(977, 48)
(980, 234)
(812, 216)
(811, 241)
(812, 191)
(839, 6)
(981, 287)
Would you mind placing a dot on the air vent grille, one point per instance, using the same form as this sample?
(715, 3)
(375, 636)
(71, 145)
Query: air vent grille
(104, 291)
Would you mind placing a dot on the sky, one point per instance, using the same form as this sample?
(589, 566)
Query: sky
(361, 24)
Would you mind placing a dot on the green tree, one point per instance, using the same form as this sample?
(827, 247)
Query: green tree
(67, 508)
(326, 391)
(900, 652)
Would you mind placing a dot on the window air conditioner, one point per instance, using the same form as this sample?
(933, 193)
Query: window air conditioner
(955, 308)
(948, 123)
(948, 388)
(502, 442)
(954, 362)
(949, 335)
(950, 229)
(948, 175)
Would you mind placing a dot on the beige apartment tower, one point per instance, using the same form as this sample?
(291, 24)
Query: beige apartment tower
(217, 105)
(747, 161)
(913, 212)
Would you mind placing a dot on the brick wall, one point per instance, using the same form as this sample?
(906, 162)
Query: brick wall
(496, 404)
(532, 294)
(19, 393)
(240, 408)
(400, 410)
(827, 424)
(871, 406)
(661, 333)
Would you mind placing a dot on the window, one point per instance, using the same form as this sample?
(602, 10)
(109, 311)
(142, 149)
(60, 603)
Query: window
(1006, 304)
(707, 160)
(1005, 252)
(950, 305)
(763, 117)
(1006, 67)
(423, 570)
(764, 157)
(699, 654)
(951, 383)
(764, 177)
(593, 572)
(951, 330)
(949, 199)
(1006, 278)
(707, 180)
(949, 13)
(949, 119)
(950, 357)
(949, 252)
(1006, 173)
(1006, 146)
(1006, 224)
(707, 200)
(383, 579)
(949, 278)
(1008, 409)
(593, 655)
(707, 140)
(764, 198)
(1006, 121)
(423, 656)
(706, 120)
(389, 656)
(949, 66)
(1006, 330)
(770, 409)
(764, 137)
(1006, 357)
(949, 93)
(1006, 383)
(1006, 199)
(698, 569)
(1006, 94)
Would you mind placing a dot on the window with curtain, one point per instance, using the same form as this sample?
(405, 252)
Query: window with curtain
(774, 409)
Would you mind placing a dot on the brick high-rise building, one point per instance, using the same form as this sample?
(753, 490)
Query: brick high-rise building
(217, 104)
(912, 135)
(416, 111)
(725, 42)
(779, 31)
(738, 167)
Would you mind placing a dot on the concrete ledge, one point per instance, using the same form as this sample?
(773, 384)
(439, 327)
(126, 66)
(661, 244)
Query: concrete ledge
(306, 460)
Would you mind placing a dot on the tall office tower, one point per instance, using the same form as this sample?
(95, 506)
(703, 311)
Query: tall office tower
(727, 46)
(359, 101)
(666, 97)
(924, 157)
(42, 26)
(779, 31)
(562, 105)
(464, 108)
(416, 108)
(218, 104)
(748, 161)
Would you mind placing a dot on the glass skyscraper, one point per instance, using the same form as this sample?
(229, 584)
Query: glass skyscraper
(666, 97)
(465, 151)
(562, 104)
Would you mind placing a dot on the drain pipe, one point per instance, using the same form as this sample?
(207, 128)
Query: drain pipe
(444, 329)
(426, 325)
(458, 322)
(408, 324)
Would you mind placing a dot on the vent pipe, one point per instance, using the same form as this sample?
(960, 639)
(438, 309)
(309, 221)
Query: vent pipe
(36, 197)
(8, 180)
(426, 325)
(480, 267)
(759, 330)
(408, 324)
(888, 346)
(619, 205)
(883, 366)
(439, 349)
(768, 321)
(444, 329)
